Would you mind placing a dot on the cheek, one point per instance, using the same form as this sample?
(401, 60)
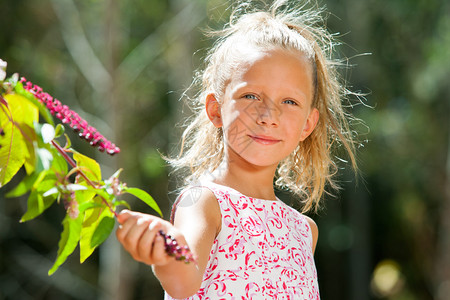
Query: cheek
(294, 125)
(229, 118)
(232, 112)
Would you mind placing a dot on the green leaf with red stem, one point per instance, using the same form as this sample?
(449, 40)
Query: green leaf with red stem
(88, 166)
(15, 116)
(145, 197)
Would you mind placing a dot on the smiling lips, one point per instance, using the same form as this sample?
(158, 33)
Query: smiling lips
(264, 140)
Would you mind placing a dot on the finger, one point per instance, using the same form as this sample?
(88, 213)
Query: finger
(144, 248)
(123, 216)
(159, 254)
(129, 220)
(123, 229)
(126, 219)
(130, 234)
(135, 233)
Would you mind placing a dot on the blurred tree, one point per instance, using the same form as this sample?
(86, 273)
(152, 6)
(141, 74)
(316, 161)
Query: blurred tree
(404, 161)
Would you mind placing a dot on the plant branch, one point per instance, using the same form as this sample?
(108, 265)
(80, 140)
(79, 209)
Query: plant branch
(79, 171)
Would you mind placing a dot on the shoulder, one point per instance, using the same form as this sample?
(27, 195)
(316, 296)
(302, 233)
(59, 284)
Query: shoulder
(314, 231)
(199, 204)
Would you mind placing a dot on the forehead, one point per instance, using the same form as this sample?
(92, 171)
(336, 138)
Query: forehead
(254, 57)
(281, 65)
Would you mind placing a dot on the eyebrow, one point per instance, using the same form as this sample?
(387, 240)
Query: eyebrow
(295, 95)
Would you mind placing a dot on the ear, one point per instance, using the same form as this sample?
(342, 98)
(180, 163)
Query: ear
(212, 107)
(311, 123)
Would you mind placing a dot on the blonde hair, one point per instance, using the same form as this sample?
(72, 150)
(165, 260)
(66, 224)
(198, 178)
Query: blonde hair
(311, 166)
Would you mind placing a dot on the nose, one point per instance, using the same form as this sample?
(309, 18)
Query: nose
(267, 114)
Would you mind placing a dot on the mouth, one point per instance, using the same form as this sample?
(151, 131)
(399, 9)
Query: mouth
(264, 140)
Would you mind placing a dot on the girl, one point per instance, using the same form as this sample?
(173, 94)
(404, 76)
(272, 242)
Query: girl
(270, 114)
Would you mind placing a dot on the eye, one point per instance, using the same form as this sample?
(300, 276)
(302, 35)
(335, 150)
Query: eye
(250, 96)
(289, 101)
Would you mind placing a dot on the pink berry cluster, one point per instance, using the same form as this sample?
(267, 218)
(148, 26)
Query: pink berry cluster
(173, 249)
(70, 117)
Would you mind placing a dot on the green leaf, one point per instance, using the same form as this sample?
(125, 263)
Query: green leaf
(30, 159)
(103, 195)
(45, 181)
(102, 231)
(95, 211)
(36, 205)
(38, 202)
(16, 115)
(40, 198)
(23, 187)
(23, 114)
(122, 202)
(93, 215)
(68, 241)
(59, 130)
(59, 164)
(88, 166)
(85, 196)
(116, 174)
(68, 141)
(144, 196)
(88, 205)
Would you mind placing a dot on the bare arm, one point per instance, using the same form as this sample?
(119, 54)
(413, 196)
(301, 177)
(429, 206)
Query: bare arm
(314, 232)
(197, 221)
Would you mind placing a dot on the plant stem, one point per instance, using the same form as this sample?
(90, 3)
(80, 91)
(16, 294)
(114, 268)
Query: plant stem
(74, 165)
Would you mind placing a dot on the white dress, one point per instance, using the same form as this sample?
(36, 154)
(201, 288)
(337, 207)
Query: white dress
(263, 251)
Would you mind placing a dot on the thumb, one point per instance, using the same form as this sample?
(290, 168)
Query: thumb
(159, 254)
(123, 216)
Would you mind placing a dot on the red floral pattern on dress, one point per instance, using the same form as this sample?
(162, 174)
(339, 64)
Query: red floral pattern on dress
(263, 251)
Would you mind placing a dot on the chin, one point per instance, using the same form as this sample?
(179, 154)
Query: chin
(263, 162)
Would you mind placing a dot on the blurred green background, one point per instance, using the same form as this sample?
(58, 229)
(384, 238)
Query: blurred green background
(123, 65)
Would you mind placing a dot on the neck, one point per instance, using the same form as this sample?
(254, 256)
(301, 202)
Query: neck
(250, 180)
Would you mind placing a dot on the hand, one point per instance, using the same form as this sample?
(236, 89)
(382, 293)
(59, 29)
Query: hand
(139, 235)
